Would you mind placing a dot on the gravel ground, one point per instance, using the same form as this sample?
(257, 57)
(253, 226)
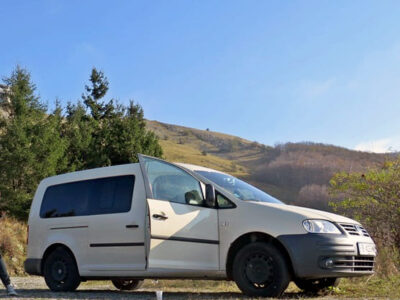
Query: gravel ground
(35, 288)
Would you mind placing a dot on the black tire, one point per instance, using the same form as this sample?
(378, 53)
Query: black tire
(127, 284)
(316, 285)
(260, 270)
(60, 271)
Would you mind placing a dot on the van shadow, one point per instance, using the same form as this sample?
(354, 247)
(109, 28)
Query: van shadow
(107, 294)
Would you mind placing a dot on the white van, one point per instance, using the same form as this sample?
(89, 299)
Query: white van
(155, 219)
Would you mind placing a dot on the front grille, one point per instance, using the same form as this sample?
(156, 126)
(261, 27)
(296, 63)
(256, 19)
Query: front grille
(353, 229)
(354, 263)
(364, 231)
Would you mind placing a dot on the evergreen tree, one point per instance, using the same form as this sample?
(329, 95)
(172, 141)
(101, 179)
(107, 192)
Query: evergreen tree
(94, 93)
(100, 114)
(78, 130)
(35, 144)
(127, 136)
(30, 143)
(117, 133)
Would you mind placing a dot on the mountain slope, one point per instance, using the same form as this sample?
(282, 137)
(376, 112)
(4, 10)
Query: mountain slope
(296, 173)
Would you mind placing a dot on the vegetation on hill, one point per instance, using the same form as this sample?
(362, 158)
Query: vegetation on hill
(36, 143)
(297, 173)
(373, 198)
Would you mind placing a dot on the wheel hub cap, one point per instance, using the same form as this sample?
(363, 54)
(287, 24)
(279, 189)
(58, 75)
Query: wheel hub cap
(59, 271)
(259, 269)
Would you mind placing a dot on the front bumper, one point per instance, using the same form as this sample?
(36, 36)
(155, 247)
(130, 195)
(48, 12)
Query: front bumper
(310, 253)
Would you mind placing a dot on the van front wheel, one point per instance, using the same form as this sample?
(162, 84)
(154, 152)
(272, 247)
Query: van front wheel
(127, 284)
(260, 270)
(60, 271)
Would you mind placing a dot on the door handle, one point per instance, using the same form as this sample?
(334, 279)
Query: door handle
(159, 217)
(132, 226)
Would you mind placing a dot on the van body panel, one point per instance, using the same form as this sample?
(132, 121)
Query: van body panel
(250, 217)
(98, 242)
(191, 229)
(35, 225)
(117, 241)
(74, 238)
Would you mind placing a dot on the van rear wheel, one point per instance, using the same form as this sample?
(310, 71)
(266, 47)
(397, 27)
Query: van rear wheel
(60, 271)
(127, 284)
(260, 270)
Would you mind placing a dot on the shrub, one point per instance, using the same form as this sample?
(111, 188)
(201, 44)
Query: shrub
(372, 198)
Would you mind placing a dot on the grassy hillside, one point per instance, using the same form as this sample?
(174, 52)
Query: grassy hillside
(188, 154)
(296, 173)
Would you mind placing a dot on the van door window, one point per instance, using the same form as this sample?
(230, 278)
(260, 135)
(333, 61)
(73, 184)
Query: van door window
(224, 202)
(170, 183)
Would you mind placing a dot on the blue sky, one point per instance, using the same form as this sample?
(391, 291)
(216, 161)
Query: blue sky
(268, 71)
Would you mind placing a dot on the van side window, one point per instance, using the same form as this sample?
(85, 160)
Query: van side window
(88, 197)
(224, 202)
(170, 183)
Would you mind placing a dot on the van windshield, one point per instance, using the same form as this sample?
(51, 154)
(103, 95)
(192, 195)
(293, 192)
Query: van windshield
(237, 187)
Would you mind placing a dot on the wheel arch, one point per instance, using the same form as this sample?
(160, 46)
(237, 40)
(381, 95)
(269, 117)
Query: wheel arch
(252, 237)
(53, 247)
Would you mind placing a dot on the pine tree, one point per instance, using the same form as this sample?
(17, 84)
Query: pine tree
(127, 136)
(78, 131)
(94, 93)
(30, 143)
(36, 144)
(117, 133)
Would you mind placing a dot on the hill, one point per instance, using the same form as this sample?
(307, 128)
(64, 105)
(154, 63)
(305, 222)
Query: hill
(297, 173)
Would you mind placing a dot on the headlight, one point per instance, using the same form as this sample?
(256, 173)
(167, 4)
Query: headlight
(320, 226)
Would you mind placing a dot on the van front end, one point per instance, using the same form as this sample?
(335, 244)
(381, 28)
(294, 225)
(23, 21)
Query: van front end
(343, 250)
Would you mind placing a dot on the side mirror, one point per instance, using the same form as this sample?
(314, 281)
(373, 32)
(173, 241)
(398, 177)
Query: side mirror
(210, 195)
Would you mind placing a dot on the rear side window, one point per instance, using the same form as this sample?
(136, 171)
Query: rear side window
(89, 197)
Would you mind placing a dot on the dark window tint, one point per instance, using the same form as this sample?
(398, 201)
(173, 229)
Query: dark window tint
(90, 197)
(173, 184)
(224, 202)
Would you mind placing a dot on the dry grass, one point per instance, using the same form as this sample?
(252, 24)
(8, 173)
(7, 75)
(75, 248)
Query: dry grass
(370, 287)
(186, 153)
(13, 244)
(387, 262)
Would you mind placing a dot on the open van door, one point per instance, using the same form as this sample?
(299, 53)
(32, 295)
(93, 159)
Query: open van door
(184, 231)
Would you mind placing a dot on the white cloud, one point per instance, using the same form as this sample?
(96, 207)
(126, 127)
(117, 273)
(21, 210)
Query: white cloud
(384, 145)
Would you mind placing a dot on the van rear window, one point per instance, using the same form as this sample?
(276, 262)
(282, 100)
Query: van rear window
(89, 197)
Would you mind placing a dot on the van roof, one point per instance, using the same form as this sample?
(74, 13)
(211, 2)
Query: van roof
(73, 176)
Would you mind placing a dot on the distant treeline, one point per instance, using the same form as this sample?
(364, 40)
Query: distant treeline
(36, 143)
(300, 172)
